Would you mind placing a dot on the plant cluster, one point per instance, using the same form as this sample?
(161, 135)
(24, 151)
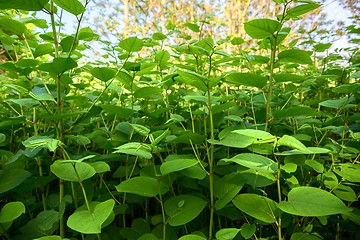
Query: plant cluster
(175, 141)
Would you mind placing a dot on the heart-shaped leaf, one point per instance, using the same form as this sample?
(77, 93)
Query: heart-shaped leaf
(87, 222)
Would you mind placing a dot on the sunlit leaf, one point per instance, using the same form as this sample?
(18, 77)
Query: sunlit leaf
(132, 44)
(143, 186)
(72, 172)
(103, 73)
(295, 56)
(175, 165)
(261, 28)
(292, 142)
(88, 222)
(11, 211)
(135, 148)
(253, 161)
(28, 5)
(312, 202)
(12, 26)
(71, 6)
(257, 206)
(301, 9)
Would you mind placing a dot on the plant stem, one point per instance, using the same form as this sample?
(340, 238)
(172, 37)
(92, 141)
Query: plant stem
(271, 79)
(61, 195)
(210, 154)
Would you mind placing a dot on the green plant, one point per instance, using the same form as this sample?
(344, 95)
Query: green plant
(175, 141)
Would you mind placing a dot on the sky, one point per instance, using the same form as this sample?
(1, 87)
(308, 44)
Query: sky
(335, 12)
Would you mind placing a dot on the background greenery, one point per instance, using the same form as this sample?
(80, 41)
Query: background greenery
(177, 134)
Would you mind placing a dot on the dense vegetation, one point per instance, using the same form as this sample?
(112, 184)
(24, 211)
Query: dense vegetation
(168, 140)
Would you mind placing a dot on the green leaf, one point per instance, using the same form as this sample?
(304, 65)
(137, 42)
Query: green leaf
(226, 188)
(336, 104)
(258, 136)
(158, 36)
(122, 112)
(43, 49)
(162, 56)
(59, 65)
(100, 167)
(345, 193)
(312, 202)
(94, 111)
(51, 238)
(12, 121)
(132, 44)
(350, 172)
(136, 149)
(176, 165)
(12, 26)
(2, 138)
(142, 130)
(289, 167)
(288, 77)
(71, 6)
(11, 178)
(195, 172)
(143, 186)
(159, 137)
(304, 236)
(247, 79)
(79, 139)
(227, 233)
(257, 206)
(237, 41)
(73, 172)
(261, 28)
(86, 34)
(294, 112)
(301, 9)
(46, 219)
(148, 236)
(234, 140)
(67, 43)
(40, 23)
(194, 79)
(295, 56)
(292, 142)
(24, 63)
(28, 5)
(148, 92)
(11, 211)
(322, 47)
(193, 27)
(192, 237)
(41, 94)
(103, 73)
(318, 167)
(42, 142)
(190, 208)
(253, 161)
(347, 88)
(87, 222)
(308, 150)
(248, 230)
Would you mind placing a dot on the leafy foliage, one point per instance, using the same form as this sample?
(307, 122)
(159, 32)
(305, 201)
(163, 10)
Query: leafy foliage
(165, 139)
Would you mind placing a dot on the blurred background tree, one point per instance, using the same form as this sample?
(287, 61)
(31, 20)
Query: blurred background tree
(118, 19)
